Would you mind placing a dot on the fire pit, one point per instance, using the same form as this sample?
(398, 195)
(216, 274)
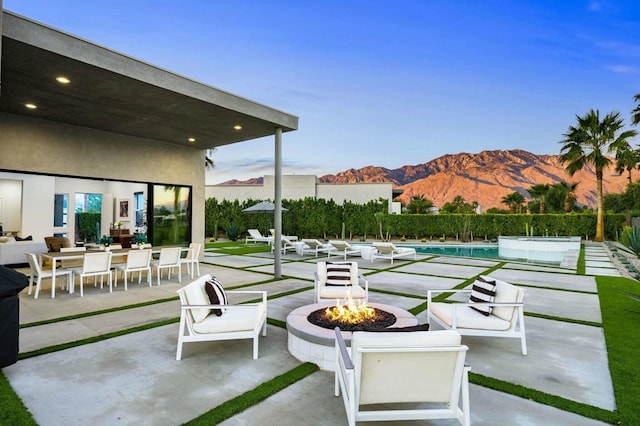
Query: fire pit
(350, 320)
(314, 343)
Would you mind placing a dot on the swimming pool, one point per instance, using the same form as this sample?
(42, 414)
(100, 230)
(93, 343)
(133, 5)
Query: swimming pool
(546, 254)
(481, 252)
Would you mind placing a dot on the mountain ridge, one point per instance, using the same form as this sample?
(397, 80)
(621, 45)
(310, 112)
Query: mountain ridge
(485, 177)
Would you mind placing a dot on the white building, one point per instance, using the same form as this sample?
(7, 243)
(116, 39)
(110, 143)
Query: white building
(296, 187)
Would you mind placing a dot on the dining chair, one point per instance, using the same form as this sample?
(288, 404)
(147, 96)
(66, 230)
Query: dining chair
(137, 261)
(71, 263)
(38, 274)
(95, 265)
(169, 259)
(191, 260)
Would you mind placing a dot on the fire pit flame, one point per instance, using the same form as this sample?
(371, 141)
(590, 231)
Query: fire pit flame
(350, 311)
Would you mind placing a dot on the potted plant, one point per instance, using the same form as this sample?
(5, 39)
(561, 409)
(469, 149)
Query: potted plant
(106, 241)
(140, 240)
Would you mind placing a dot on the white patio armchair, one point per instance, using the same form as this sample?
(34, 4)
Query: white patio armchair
(390, 376)
(137, 261)
(499, 315)
(336, 280)
(389, 251)
(203, 319)
(169, 259)
(286, 245)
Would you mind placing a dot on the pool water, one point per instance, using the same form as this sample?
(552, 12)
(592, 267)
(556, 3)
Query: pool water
(490, 252)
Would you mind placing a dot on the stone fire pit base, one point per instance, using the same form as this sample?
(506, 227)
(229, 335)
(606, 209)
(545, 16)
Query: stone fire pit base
(309, 342)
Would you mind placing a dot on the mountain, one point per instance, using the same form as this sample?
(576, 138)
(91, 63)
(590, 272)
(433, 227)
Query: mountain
(485, 177)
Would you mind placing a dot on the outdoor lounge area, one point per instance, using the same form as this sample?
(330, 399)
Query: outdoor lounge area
(114, 378)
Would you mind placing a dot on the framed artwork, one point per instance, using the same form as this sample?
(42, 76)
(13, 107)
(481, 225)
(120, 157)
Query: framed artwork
(124, 209)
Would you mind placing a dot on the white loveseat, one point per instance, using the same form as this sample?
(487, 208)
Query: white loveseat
(12, 252)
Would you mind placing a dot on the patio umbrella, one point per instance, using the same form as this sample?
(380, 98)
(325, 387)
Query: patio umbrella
(262, 207)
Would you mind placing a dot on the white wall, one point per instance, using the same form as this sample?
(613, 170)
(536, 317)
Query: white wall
(35, 193)
(10, 204)
(295, 187)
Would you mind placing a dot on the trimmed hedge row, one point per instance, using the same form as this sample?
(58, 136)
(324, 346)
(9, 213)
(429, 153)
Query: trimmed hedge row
(319, 218)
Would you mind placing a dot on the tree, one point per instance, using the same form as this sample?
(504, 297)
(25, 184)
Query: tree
(459, 205)
(588, 143)
(635, 114)
(419, 204)
(627, 159)
(208, 160)
(514, 201)
(539, 192)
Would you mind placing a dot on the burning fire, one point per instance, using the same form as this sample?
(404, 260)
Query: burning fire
(349, 311)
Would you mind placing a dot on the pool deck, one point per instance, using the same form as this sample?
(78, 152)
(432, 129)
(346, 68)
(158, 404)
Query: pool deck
(135, 379)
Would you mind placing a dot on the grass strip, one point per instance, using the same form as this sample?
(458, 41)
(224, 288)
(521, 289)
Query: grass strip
(100, 312)
(559, 402)
(562, 319)
(13, 411)
(276, 322)
(621, 323)
(94, 339)
(240, 403)
(582, 263)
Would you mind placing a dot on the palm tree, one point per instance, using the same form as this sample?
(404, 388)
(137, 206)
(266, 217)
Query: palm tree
(539, 192)
(208, 160)
(588, 143)
(419, 204)
(626, 160)
(565, 192)
(514, 201)
(635, 114)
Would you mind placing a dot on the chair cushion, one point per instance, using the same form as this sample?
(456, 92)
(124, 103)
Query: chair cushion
(338, 292)
(216, 294)
(483, 291)
(338, 274)
(233, 320)
(505, 293)
(467, 318)
(196, 295)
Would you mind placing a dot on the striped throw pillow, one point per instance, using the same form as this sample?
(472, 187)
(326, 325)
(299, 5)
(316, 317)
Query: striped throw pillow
(338, 274)
(483, 291)
(217, 295)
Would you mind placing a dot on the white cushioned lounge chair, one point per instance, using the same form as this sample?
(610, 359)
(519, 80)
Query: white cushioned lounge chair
(257, 237)
(389, 376)
(315, 247)
(497, 315)
(390, 252)
(201, 320)
(344, 249)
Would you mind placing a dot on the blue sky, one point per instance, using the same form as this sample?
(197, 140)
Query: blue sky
(384, 83)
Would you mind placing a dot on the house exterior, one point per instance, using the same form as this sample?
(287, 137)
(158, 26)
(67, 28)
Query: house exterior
(296, 187)
(116, 126)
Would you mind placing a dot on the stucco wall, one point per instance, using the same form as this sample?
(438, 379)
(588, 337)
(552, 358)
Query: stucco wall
(41, 146)
(295, 187)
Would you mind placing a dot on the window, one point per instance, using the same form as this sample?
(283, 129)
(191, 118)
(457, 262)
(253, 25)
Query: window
(60, 206)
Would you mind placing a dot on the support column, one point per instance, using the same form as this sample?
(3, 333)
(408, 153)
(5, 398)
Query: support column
(277, 213)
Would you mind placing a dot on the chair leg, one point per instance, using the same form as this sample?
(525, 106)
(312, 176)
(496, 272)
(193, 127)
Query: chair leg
(81, 285)
(125, 279)
(38, 284)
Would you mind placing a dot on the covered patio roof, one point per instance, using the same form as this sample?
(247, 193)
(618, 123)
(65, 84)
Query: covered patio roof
(116, 93)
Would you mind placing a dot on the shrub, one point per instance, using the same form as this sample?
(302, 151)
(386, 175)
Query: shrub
(233, 232)
(631, 238)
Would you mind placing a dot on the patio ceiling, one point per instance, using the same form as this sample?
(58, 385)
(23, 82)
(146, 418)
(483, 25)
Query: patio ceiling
(116, 93)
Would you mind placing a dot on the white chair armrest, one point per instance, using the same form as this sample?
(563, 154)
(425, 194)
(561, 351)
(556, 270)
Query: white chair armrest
(342, 350)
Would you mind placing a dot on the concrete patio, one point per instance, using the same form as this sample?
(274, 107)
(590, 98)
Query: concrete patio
(135, 379)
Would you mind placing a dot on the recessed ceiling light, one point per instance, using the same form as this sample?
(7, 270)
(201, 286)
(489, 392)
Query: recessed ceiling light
(237, 127)
(63, 80)
(191, 139)
(31, 106)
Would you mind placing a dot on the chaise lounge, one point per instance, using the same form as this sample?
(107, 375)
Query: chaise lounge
(389, 251)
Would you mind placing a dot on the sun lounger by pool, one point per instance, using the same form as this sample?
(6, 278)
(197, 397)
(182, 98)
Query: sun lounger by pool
(343, 248)
(390, 252)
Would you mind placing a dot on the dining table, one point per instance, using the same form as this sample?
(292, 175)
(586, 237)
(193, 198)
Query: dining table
(75, 255)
